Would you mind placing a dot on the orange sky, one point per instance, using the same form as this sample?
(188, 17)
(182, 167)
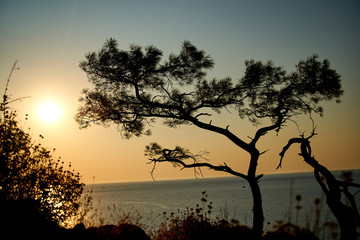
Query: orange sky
(49, 39)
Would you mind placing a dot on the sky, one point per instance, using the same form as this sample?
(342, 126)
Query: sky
(50, 38)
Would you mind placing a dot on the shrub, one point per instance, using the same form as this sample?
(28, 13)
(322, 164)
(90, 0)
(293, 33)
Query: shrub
(198, 224)
(28, 171)
(289, 231)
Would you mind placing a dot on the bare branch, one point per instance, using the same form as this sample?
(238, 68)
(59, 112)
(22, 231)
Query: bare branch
(223, 131)
(203, 114)
(291, 142)
(8, 79)
(348, 184)
(178, 156)
(287, 146)
(264, 151)
(17, 99)
(262, 131)
(257, 178)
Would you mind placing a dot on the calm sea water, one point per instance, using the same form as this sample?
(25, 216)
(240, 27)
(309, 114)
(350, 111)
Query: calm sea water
(151, 199)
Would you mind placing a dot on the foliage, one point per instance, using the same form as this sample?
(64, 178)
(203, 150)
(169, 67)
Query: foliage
(29, 171)
(272, 93)
(179, 156)
(197, 223)
(315, 226)
(133, 87)
(288, 231)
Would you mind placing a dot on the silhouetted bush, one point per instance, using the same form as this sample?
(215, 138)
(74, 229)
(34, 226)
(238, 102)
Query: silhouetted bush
(198, 224)
(28, 171)
(23, 219)
(117, 232)
(289, 231)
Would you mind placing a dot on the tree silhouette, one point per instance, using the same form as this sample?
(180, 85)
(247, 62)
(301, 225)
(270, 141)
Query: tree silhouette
(347, 216)
(133, 88)
(28, 171)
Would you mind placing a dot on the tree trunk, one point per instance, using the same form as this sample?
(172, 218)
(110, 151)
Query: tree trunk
(344, 214)
(345, 218)
(333, 189)
(258, 215)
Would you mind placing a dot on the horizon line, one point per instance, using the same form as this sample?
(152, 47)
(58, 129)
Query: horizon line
(204, 177)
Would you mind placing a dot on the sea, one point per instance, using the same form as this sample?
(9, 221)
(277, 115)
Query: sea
(286, 197)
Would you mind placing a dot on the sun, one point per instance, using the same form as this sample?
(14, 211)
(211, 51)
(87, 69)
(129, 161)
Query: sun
(49, 112)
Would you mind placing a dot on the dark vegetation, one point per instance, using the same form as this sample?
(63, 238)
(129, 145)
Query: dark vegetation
(45, 199)
(347, 215)
(198, 223)
(30, 173)
(133, 88)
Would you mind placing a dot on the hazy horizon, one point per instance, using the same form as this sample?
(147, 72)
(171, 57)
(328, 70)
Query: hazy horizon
(211, 177)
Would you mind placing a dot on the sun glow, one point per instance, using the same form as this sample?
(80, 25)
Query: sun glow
(49, 112)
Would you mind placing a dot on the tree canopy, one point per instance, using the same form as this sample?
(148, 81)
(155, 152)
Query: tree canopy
(134, 87)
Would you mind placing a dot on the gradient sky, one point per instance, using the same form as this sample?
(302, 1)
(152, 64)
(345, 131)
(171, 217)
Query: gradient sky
(49, 38)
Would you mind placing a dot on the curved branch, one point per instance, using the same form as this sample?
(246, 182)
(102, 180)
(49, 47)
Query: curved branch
(347, 216)
(223, 131)
(291, 142)
(222, 168)
(262, 131)
(348, 184)
(287, 146)
(178, 155)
